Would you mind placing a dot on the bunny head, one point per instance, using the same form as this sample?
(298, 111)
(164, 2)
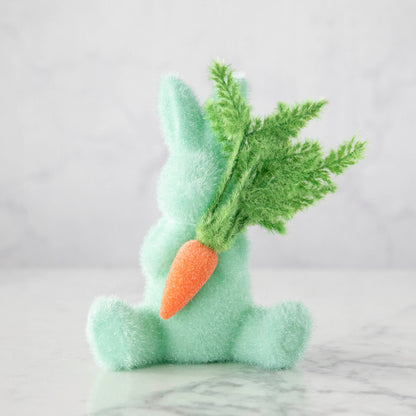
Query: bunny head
(190, 177)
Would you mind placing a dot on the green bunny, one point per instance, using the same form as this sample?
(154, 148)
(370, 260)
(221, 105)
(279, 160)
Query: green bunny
(220, 323)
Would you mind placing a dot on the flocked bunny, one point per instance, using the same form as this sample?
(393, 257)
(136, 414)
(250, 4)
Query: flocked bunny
(220, 323)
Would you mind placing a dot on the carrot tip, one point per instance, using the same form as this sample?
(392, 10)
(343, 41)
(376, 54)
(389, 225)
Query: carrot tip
(165, 315)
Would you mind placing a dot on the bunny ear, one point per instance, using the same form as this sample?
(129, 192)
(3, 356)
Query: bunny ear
(180, 114)
(241, 79)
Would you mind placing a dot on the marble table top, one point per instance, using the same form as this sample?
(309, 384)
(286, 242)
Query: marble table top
(361, 360)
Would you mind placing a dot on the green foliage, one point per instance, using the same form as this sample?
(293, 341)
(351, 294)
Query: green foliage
(346, 155)
(269, 175)
(286, 122)
(228, 113)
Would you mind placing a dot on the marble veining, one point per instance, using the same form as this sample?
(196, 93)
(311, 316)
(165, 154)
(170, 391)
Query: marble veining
(361, 360)
(365, 374)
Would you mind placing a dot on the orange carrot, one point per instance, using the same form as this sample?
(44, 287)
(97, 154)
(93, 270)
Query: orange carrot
(193, 265)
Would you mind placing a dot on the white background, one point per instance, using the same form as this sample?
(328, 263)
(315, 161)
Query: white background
(81, 147)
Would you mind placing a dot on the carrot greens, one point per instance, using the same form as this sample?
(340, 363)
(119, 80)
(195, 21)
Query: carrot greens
(269, 175)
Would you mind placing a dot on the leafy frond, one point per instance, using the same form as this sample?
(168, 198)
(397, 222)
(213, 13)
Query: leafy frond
(287, 121)
(217, 125)
(345, 156)
(293, 180)
(228, 112)
(269, 175)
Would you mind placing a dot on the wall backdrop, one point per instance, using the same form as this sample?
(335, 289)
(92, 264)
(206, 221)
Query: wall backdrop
(81, 147)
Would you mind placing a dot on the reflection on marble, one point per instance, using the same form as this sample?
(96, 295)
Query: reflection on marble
(215, 389)
(368, 373)
(361, 360)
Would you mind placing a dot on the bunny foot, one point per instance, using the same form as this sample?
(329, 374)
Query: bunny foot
(123, 337)
(273, 338)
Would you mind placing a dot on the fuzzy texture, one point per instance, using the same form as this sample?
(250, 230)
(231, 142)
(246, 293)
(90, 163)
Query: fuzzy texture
(269, 176)
(193, 265)
(220, 323)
